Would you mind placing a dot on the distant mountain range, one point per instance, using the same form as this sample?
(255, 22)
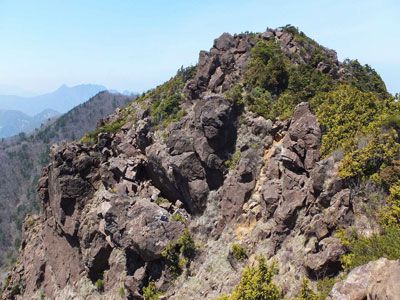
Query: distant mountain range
(24, 114)
(13, 122)
(61, 100)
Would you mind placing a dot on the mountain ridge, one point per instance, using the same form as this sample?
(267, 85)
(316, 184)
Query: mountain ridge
(266, 171)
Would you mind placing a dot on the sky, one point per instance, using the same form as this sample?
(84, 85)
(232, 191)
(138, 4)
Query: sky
(136, 45)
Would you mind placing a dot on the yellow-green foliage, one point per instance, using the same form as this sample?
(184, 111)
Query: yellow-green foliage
(235, 94)
(178, 255)
(365, 249)
(345, 114)
(274, 85)
(379, 151)
(178, 217)
(99, 285)
(161, 200)
(306, 292)
(113, 127)
(223, 297)
(16, 290)
(324, 287)
(121, 292)
(365, 126)
(365, 78)
(150, 292)
(256, 284)
(186, 244)
(234, 160)
(166, 98)
(164, 108)
(361, 125)
(390, 214)
(267, 67)
(238, 252)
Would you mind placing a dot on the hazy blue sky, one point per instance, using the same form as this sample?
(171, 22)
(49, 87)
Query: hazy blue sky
(134, 45)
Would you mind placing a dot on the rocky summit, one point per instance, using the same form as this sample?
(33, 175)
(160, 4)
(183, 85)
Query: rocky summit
(267, 171)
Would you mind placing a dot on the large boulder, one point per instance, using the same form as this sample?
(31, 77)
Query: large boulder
(377, 280)
(141, 226)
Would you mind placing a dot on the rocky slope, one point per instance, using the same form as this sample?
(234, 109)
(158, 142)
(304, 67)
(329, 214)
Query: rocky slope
(161, 195)
(22, 158)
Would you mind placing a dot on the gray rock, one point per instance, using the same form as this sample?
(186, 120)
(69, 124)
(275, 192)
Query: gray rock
(375, 280)
(327, 261)
(224, 42)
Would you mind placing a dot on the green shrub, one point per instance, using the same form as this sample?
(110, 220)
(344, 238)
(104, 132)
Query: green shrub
(256, 284)
(390, 214)
(267, 68)
(365, 78)
(161, 200)
(346, 114)
(121, 292)
(16, 290)
(305, 82)
(234, 160)
(389, 175)
(178, 218)
(379, 151)
(238, 252)
(365, 249)
(274, 85)
(324, 287)
(171, 256)
(306, 293)
(150, 292)
(164, 109)
(166, 98)
(99, 284)
(235, 94)
(259, 101)
(362, 125)
(113, 127)
(223, 297)
(183, 263)
(186, 244)
(178, 255)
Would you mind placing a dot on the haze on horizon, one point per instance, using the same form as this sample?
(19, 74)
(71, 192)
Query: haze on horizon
(136, 45)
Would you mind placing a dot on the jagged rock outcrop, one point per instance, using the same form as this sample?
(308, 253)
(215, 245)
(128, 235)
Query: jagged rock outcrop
(220, 172)
(222, 66)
